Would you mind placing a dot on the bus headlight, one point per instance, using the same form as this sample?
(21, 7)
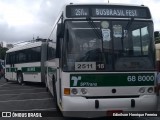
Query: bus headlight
(74, 91)
(142, 90)
(150, 89)
(84, 91)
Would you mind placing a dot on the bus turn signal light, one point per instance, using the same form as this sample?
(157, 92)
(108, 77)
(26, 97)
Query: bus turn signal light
(66, 91)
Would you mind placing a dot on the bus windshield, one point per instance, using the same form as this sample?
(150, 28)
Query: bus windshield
(105, 45)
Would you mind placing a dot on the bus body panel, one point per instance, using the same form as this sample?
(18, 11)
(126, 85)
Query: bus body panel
(9, 73)
(51, 71)
(33, 76)
(82, 107)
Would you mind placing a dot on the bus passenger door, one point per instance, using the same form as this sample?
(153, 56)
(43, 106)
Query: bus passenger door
(8, 73)
(12, 70)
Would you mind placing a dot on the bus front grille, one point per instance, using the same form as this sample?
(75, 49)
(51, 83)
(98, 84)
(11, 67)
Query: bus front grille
(102, 97)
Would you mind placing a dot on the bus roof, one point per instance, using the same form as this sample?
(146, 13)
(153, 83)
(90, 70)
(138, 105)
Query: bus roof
(121, 4)
(22, 47)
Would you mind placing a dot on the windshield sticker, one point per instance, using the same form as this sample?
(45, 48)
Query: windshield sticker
(106, 34)
(117, 31)
(104, 24)
(125, 33)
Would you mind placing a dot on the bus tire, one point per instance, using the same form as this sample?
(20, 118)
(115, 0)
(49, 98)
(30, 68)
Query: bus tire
(6, 79)
(20, 78)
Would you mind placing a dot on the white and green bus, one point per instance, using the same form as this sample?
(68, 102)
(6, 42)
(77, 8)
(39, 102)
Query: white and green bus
(104, 60)
(26, 62)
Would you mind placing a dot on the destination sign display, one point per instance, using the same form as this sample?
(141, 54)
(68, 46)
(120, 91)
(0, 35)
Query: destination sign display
(107, 11)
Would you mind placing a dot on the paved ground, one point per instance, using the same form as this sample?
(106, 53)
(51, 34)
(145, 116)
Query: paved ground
(28, 97)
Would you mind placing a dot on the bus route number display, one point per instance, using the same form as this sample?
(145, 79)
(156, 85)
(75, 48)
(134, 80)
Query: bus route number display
(79, 12)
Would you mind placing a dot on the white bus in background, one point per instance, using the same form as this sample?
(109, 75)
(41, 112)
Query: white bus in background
(158, 56)
(2, 62)
(104, 60)
(26, 62)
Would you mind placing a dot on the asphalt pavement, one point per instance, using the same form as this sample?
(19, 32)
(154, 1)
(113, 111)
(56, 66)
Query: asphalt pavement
(31, 97)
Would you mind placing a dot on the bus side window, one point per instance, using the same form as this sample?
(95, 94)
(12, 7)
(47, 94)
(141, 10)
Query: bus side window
(51, 53)
(7, 58)
(60, 35)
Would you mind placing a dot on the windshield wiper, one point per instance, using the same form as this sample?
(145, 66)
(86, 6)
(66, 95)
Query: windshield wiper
(95, 28)
(126, 28)
(129, 24)
(98, 34)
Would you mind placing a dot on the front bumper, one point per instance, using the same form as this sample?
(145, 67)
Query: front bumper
(82, 107)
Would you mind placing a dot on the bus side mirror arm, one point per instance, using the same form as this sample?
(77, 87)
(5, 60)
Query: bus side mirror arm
(60, 34)
(58, 47)
(60, 30)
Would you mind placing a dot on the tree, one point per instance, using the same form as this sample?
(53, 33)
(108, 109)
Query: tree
(3, 52)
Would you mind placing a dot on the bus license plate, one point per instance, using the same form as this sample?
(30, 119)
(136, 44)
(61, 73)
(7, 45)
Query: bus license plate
(85, 66)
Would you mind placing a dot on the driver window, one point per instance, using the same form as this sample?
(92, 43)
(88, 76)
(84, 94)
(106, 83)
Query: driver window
(136, 42)
(140, 38)
(145, 40)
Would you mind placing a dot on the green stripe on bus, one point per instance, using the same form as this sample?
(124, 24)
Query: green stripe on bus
(100, 80)
(11, 69)
(31, 69)
(51, 69)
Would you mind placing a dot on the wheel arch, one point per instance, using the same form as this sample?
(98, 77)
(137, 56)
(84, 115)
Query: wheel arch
(19, 72)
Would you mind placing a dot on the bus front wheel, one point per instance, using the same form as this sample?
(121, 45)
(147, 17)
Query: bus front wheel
(6, 79)
(20, 78)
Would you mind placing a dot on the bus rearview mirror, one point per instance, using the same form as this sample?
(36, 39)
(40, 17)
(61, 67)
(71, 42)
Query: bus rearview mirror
(60, 30)
(156, 34)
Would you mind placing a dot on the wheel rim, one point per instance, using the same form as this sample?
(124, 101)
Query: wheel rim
(19, 79)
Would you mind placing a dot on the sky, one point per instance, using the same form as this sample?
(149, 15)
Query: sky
(21, 20)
